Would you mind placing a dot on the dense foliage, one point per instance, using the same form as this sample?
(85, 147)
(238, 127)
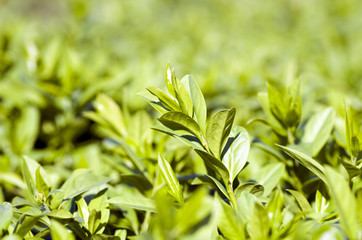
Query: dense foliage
(98, 141)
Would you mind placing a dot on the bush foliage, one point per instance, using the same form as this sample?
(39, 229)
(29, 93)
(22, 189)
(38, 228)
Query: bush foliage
(97, 141)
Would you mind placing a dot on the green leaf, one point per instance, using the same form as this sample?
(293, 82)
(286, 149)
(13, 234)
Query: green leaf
(12, 237)
(28, 168)
(230, 223)
(136, 180)
(54, 198)
(164, 99)
(169, 79)
(99, 204)
(41, 185)
(136, 202)
(218, 130)
(302, 201)
(154, 101)
(351, 169)
(12, 178)
(59, 232)
(258, 226)
(236, 151)
(318, 129)
(352, 130)
(344, 201)
(199, 104)
(183, 97)
(213, 181)
(6, 214)
(104, 237)
(294, 102)
(272, 121)
(60, 214)
(81, 181)
(245, 202)
(306, 161)
(26, 129)
(93, 220)
(169, 176)
(269, 176)
(83, 209)
(26, 223)
(111, 113)
(277, 105)
(250, 187)
(215, 164)
(181, 121)
(134, 158)
(195, 213)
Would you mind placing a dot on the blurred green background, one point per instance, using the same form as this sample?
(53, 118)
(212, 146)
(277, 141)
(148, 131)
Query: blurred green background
(56, 56)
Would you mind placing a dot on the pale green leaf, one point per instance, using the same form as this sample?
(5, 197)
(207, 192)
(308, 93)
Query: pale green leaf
(60, 214)
(230, 223)
(269, 176)
(169, 176)
(111, 113)
(258, 226)
(81, 181)
(199, 104)
(344, 201)
(318, 129)
(215, 164)
(60, 232)
(6, 214)
(164, 99)
(271, 120)
(183, 97)
(236, 151)
(136, 202)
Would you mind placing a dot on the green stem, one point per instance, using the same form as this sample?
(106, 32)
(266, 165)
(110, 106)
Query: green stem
(145, 223)
(230, 191)
(291, 138)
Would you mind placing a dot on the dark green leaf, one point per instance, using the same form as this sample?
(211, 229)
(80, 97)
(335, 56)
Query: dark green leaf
(181, 121)
(213, 181)
(214, 164)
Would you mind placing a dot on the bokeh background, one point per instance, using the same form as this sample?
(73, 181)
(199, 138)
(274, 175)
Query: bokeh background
(56, 56)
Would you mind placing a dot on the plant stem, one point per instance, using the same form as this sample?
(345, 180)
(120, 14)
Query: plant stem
(291, 138)
(230, 191)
